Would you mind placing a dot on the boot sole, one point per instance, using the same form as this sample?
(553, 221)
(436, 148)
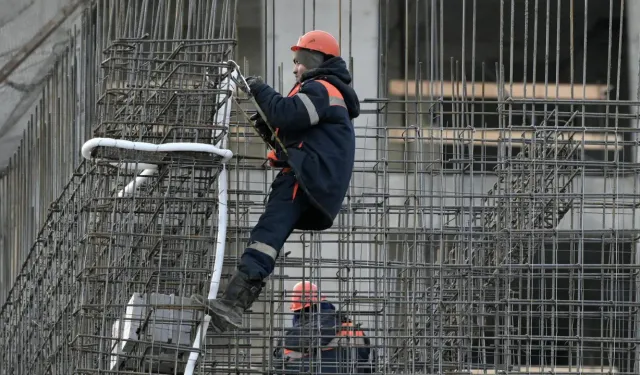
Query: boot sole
(215, 314)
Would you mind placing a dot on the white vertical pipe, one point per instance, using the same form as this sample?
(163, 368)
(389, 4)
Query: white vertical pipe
(222, 118)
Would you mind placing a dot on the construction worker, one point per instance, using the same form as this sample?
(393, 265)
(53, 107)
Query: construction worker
(314, 122)
(321, 339)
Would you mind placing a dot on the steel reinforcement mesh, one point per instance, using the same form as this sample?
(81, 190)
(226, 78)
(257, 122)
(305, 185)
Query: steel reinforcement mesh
(490, 227)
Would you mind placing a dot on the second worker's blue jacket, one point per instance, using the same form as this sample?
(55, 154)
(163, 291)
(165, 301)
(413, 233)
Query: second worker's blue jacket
(314, 122)
(322, 341)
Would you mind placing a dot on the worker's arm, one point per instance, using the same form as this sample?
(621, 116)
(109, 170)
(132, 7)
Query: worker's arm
(298, 112)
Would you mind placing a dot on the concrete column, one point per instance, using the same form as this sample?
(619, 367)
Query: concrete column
(633, 49)
(250, 28)
(633, 55)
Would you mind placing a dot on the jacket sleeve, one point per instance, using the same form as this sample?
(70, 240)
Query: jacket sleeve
(305, 336)
(298, 112)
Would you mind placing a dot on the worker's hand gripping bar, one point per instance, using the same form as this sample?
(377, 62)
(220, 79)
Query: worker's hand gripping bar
(242, 83)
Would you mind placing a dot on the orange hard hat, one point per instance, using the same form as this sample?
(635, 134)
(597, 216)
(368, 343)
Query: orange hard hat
(304, 294)
(318, 40)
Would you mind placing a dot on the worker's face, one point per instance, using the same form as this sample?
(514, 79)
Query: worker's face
(298, 69)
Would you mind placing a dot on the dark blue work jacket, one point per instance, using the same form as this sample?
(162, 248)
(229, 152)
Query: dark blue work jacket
(321, 341)
(314, 122)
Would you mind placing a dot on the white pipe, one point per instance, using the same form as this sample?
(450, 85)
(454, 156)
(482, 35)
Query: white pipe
(91, 144)
(137, 182)
(139, 166)
(149, 169)
(221, 239)
(222, 118)
(193, 356)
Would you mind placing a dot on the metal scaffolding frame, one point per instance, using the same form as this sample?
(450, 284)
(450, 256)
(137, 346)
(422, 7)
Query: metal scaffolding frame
(491, 224)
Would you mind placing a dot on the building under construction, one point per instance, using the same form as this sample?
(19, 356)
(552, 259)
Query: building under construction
(491, 226)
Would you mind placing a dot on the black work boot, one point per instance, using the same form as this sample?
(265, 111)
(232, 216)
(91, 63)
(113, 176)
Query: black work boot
(226, 312)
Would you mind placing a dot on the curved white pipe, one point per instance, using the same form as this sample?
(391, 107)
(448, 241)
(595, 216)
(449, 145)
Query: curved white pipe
(222, 118)
(91, 144)
(149, 169)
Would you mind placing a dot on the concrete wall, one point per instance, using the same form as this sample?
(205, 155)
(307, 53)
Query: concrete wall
(21, 20)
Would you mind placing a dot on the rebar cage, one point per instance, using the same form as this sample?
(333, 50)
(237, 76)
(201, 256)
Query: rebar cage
(150, 248)
(490, 226)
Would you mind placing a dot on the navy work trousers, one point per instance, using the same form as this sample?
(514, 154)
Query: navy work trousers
(285, 205)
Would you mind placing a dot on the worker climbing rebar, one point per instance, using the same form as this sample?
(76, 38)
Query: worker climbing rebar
(314, 123)
(322, 340)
